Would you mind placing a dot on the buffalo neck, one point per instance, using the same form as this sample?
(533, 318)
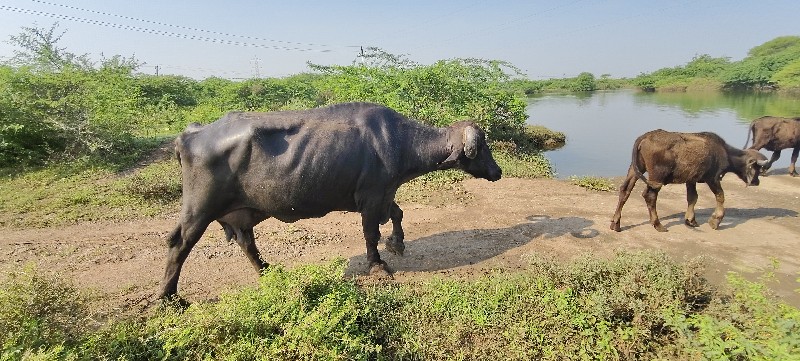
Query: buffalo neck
(737, 162)
(427, 147)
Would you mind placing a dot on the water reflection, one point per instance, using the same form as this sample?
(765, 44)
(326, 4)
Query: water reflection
(602, 126)
(747, 106)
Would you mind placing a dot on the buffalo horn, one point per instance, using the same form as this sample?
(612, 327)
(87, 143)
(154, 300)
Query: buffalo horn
(470, 142)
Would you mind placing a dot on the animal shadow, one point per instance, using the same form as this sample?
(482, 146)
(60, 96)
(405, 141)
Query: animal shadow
(452, 249)
(776, 171)
(733, 216)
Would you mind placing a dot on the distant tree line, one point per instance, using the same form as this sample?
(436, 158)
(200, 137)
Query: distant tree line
(584, 82)
(774, 65)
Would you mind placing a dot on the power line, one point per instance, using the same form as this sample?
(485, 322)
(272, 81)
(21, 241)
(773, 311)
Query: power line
(177, 26)
(155, 32)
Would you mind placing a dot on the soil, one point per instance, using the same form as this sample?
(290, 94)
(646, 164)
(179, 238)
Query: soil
(480, 227)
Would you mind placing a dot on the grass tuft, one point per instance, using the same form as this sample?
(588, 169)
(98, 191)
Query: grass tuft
(593, 183)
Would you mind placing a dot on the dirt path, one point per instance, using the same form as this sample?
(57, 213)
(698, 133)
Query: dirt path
(501, 226)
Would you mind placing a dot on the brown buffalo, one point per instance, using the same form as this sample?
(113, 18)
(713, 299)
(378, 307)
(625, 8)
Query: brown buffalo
(776, 134)
(691, 158)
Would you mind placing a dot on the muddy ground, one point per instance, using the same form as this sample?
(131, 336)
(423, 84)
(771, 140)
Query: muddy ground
(479, 227)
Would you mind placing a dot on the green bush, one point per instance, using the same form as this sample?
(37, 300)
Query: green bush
(40, 314)
(631, 306)
(310, 313)
(744, 324)
(438, 94)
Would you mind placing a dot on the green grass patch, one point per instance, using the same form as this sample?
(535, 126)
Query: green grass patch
(632, 306)
(593, 183)
(79, 192)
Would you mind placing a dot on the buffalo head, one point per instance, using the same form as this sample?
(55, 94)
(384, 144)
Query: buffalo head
(470, 152)
(750, 167)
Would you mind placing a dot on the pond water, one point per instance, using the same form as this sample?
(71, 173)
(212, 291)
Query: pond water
(601, 126)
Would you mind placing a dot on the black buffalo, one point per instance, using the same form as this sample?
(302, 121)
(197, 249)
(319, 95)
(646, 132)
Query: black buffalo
(291, 165)
(691, 158)
(776, 134)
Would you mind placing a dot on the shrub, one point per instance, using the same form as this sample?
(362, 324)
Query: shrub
(307, 313)
(39, 314)
(438, 94)
(631, 306)
(589, 309)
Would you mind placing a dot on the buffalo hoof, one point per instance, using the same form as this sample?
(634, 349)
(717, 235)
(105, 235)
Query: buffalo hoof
(395, 245)
(714, 223)
(615, 226)
(691, 223)
(380, 270)
(174, 302)
(659, 227)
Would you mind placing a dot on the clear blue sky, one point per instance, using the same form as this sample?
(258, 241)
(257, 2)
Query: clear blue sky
(543, 38)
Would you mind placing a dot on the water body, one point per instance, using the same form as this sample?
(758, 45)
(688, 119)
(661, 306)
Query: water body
(601, 126)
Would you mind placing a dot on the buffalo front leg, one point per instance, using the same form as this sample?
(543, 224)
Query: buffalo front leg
(691, 200)
(372, 235)
(719, 211)
(181, 240)
(625, 190)
(795, 153)
(650, 195)
(775, 155)
(395, 243)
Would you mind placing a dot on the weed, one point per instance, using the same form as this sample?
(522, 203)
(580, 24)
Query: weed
(593, 183)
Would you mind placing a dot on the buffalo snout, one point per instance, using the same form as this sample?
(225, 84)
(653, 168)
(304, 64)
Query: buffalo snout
(494, 175)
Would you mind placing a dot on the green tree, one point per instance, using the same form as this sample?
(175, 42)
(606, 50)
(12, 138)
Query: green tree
(789, 76)
(762, 62)
(775, 46)
(584, 82)
(38, 48)
(60, 106)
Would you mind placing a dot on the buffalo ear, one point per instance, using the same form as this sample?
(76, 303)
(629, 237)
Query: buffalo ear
(471, 142)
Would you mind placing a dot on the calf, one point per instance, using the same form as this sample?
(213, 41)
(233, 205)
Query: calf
(691, 158)
(776, 134)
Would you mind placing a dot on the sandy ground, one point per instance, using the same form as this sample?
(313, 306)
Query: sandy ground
(496, 225)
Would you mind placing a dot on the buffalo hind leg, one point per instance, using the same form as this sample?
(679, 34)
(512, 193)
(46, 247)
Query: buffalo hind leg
(395, 243)
(624, 192)
(792, 170)
(691, 200)
(719, 211)
(650, 195)
(181, 240)
(372, 235)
